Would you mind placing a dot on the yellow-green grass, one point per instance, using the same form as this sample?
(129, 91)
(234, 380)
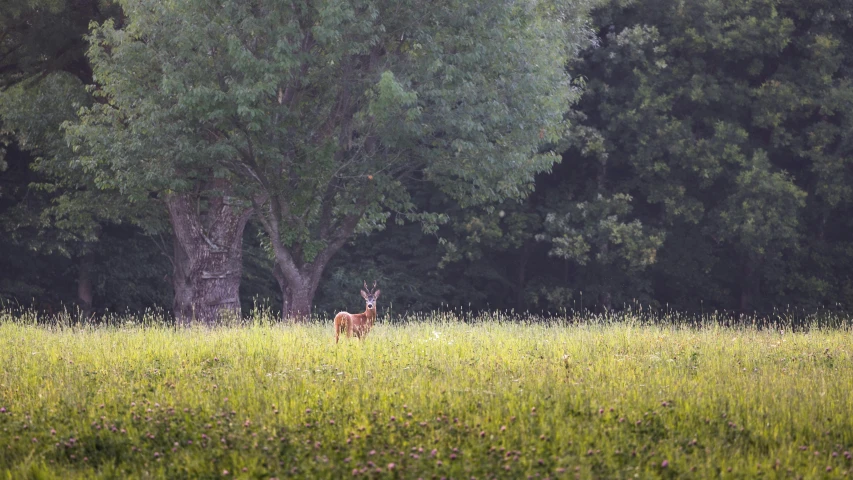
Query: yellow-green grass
(433, 397)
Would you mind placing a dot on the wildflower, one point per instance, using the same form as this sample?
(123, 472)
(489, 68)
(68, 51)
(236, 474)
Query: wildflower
(225, 472)
(391, 466)
(664, 464)
(503, 428)
(433, 453)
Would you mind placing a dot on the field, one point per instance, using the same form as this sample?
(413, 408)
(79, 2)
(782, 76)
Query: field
(430, 397)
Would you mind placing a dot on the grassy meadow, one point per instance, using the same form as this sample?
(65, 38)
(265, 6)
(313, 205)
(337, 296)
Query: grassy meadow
(426, 397)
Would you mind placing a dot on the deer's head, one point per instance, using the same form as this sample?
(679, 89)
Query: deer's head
(370, 298)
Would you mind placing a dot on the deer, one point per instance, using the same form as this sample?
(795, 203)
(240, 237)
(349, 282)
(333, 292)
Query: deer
(358, 324)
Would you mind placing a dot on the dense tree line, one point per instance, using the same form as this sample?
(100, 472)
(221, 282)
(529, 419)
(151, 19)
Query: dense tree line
(175, 155)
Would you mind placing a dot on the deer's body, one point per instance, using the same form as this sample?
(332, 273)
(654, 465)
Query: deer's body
(358, 324)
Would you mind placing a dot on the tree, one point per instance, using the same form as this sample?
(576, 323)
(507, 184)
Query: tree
(724, 122)
(52, 208)
(318, 116)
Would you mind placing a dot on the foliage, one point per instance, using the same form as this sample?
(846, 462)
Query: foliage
(41, 37)
(718, 121)
(322, 114)
(705, 165)
(53, 219)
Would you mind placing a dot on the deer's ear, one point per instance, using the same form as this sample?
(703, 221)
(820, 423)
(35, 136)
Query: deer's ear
(364, 294)
(376, 293)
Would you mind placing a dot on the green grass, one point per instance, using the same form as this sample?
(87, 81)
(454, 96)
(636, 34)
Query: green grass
(435, 397)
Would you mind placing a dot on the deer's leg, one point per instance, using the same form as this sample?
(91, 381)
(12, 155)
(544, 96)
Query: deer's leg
(349, 327)
(337, 327)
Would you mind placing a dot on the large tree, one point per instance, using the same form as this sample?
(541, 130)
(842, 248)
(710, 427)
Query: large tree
(318, 116)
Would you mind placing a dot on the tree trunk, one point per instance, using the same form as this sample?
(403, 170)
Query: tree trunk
(606, 282)
(84, 285)
(300, 303)
(208, 257)
(298, 293)
(521, 278)
(748, 287)
(297, 278)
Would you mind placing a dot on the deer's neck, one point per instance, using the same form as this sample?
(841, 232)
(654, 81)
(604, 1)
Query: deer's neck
(370, 314)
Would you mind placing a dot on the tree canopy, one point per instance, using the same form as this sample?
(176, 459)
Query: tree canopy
(703, 149)
(321, 114)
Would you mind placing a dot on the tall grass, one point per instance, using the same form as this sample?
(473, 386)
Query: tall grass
(428, 396)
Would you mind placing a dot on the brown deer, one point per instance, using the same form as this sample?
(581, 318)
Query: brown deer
(358, 324)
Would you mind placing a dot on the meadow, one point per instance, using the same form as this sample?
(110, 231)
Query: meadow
(436, 396)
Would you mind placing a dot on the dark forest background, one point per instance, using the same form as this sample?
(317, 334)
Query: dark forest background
(709, 166)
